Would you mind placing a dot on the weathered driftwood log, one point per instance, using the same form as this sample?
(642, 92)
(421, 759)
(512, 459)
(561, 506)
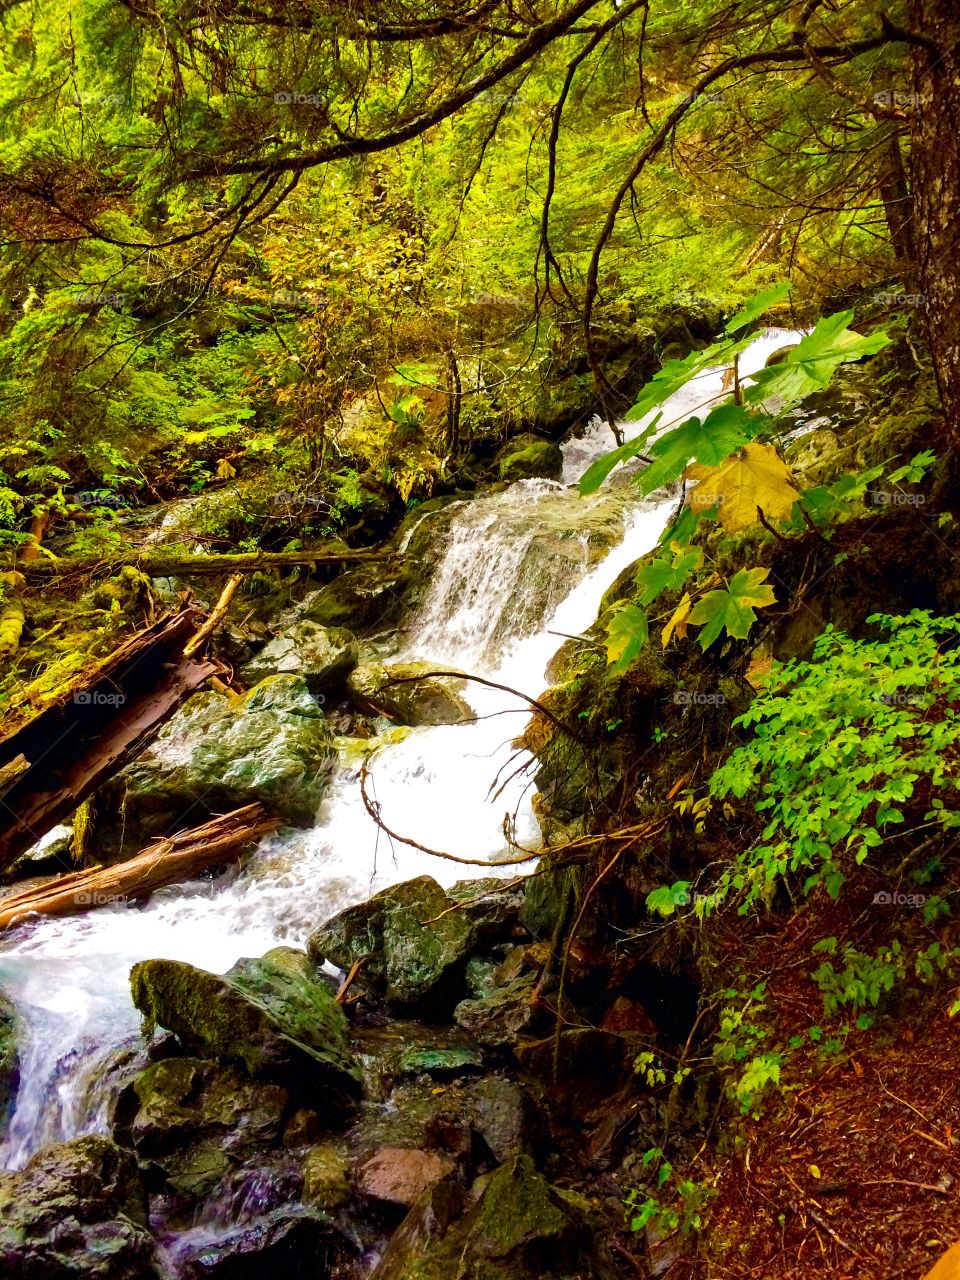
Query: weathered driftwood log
(164, 862)
(165, 564)
(92, 729)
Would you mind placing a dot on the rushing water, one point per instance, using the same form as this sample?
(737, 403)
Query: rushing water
(515, 572)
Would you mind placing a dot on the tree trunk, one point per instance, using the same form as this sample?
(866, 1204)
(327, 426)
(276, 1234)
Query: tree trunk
(935, 180)
(165, 564)
(897, 209)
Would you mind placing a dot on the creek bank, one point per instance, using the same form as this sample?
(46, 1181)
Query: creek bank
(265, 1124)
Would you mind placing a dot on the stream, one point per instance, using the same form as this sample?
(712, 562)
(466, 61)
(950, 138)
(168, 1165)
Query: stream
(513, 573)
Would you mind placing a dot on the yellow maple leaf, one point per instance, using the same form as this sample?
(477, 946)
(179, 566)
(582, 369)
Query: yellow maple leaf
(678, 622)
(754, 477)
(225, 470)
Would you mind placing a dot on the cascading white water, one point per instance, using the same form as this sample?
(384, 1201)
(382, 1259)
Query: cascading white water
(516, 571)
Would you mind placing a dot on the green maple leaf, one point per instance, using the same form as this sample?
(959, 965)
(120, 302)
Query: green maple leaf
(759, 303)
(627, 633)
(810, 365)
(723, 431)
(732, 609)
(597, 472)
(663, 574)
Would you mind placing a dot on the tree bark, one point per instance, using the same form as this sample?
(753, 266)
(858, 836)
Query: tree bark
(169, 861)
(163, 564)
(897, 208)
(935, 181)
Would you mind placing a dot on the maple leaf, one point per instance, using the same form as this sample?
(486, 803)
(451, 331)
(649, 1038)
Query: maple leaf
(732, 608)
(677, 625)
(662, 574)
(755, 476)
(627, 633)
(811, 364)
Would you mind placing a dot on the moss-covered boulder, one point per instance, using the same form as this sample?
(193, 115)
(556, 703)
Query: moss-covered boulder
(274, 1017)
(528, 457)
(408, 693)
(363, 599)
(195, 1120)
(415, 938)
(522, 1228)
(78, 1211)
(321, 655)
(273, 745)
(9, 1058)
(499, 1017)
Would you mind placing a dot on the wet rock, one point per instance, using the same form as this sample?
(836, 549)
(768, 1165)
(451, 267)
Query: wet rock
(217, 753)
(292, 1245)
(814, 457)
(321, 655)
(419, 699)
(325, 1182)
(195, 1119)
(428, 1221)
(275, 1017)
(506, 1117)
(78, 1211)
(528, 457)
(498, 1018)
(522, 1228)
(439, 1061)
(408, 960)
(361, 599)
(9, 1058)
(401, 1175)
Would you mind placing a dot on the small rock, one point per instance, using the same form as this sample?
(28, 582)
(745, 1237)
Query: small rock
(401, 1175)
(506, 1117)
(497, 1019)
(325, 1182)
(529, 457)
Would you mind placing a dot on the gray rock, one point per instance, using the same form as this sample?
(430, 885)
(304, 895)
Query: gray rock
(506, 1117)
(321, 655)
(293, 1245)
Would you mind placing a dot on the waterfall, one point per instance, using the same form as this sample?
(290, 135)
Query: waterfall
(515, 572)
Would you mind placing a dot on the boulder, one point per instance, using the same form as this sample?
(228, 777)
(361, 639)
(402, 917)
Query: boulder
(498, 1018)
(409, 961)
(321, 655)
(506, 1117)
(528, 457)
(401, 1175)
(407, 693)
(217, 753)
(521, 1228)
(325, 1182)
(362, 599)
(195, 1119)
(303, 1244)
(78, 1211)
(274, 1017)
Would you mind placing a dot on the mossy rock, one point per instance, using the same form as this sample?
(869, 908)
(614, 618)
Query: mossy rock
(522, 1228)
(408, 960)
(273, 746)
(274, 1017)
(321, 655)
(78, 1211)
(9, 1057)
(363, 599)
(529, 457)
(408, 693)
(289, 1243)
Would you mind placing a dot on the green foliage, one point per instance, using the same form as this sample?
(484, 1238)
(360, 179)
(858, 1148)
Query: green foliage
(672, 1203)
(732, 608)
(858, 744)
(866, 978)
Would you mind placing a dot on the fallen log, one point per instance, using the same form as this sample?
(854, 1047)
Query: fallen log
(169, 861)
(164, 564)
(51, 760)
